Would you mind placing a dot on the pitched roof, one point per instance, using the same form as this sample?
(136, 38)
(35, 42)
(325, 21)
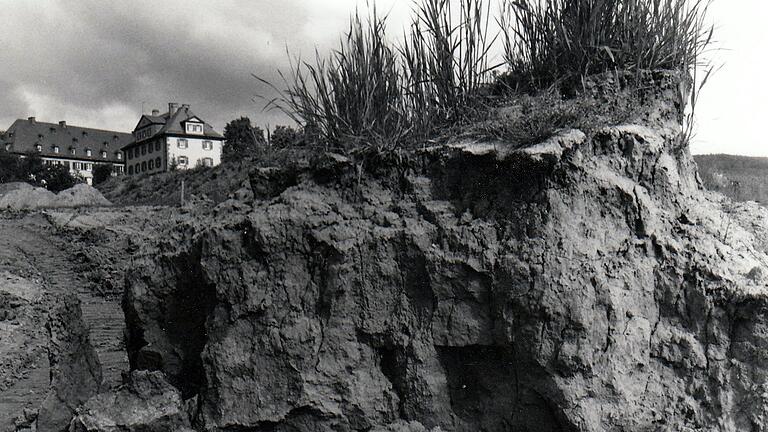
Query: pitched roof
(24, 135)
(173, 124)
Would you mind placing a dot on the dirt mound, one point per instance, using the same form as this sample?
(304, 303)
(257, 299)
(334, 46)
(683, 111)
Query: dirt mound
(82, 195)
(23, 196)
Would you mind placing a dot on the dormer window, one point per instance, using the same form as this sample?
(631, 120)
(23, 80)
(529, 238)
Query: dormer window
(72, 150)
(55, 149)
(38, 147)
(119, 156)
(143, 133)
(88, 152)
(194, 128)
(104, 154)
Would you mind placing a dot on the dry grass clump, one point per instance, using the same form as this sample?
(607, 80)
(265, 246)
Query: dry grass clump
(562, 41)
(445, 58)
(530, 119)
(370, 91)
(355, 95)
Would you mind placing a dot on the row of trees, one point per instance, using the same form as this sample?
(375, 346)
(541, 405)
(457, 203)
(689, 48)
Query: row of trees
(243, 139)
(31, 169)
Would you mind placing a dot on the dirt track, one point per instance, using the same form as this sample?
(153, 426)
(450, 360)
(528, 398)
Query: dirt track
(32, 252)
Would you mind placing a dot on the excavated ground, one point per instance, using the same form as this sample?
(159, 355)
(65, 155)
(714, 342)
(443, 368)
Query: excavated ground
(81, 252)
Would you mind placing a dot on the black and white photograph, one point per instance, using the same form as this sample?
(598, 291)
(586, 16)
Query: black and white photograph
(383, 216)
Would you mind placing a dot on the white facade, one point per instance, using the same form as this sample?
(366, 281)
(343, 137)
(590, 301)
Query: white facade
(191, 152)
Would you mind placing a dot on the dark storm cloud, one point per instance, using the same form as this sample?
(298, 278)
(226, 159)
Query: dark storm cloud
(94, 62)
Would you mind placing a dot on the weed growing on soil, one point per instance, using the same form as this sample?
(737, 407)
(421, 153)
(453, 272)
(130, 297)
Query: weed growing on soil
(563, 41)
(370, 92)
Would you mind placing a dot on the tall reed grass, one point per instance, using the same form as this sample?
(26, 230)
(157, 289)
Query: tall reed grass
(550, 41)
(353, 95)
(446, 59)
(373, 91)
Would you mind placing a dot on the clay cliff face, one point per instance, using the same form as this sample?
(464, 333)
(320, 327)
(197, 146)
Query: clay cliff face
(586, 283)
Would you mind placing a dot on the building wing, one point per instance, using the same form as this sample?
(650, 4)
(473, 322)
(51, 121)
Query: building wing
(65, 141)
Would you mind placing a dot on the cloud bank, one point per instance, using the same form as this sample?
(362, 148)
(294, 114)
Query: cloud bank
(96, 63)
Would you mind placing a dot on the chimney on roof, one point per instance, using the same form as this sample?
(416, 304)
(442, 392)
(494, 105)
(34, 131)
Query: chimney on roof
(155, 113)
(31, 119)
(172, 107)
(63, 124)
(185, 106)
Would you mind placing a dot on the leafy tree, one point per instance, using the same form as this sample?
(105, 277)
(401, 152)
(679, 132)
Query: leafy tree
(31, 169)
(283, 136)
(56, 178)
(102, 173)
(242, 139)
(10, 167)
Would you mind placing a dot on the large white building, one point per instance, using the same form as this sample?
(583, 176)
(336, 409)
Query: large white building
(177, 139)
(78, 148)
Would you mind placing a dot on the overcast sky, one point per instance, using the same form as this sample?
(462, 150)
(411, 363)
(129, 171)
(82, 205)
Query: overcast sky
(95, 63)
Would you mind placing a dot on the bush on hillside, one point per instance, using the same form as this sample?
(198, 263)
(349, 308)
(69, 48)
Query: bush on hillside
(102, 173)
(32, 170)
(56, 178)
(10, 168)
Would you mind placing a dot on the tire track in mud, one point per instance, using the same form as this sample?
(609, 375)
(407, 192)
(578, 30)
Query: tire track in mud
(29, 248)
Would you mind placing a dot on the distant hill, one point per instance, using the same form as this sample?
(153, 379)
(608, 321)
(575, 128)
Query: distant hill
(743, 178)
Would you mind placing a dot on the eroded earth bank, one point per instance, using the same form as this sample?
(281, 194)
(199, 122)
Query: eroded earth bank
(587, 283)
